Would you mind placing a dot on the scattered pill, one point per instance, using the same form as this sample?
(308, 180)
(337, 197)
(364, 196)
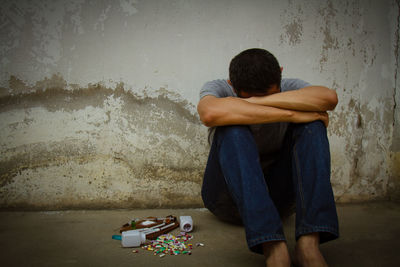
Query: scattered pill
(170, 244)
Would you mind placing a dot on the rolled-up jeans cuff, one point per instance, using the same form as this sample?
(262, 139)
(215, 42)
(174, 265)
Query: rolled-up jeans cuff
(327, 233)
(255, 244)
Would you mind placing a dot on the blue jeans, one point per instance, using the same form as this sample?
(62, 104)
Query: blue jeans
(235, 188)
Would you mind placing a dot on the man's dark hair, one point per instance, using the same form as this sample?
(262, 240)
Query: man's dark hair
(254, 71)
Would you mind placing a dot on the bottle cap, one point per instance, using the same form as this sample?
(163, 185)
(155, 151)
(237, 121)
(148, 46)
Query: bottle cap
(186, 223)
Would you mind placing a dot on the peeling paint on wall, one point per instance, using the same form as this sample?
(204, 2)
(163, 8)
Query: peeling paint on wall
(293, 31)
(363, 145)
(128, 7)
(293, 24)
(97, 147)
(97, 99)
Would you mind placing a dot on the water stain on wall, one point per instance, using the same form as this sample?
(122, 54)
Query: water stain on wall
(155, 147)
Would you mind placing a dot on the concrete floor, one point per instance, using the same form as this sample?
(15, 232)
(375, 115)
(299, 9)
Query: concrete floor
(370, 235)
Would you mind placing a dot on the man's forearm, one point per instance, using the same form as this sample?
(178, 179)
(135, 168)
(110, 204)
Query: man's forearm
(233, 111)
(312, 98)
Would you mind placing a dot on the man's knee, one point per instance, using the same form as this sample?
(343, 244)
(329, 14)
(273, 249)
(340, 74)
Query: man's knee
(316, 125)
(310, 128)
(237, 132)
(311, 138)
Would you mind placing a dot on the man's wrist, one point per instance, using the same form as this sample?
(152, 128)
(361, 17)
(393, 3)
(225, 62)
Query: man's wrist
(259, 100)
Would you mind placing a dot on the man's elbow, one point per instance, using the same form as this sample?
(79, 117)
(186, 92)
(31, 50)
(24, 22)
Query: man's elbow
(332, 99)
(207, 120)
(207, 117)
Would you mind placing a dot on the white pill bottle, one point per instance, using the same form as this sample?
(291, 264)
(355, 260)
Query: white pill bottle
(186, 223)
(133, 238)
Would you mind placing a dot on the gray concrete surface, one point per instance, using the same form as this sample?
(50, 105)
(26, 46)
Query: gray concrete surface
(370, 236)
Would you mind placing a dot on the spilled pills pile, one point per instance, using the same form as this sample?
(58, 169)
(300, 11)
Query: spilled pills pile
(171, 245)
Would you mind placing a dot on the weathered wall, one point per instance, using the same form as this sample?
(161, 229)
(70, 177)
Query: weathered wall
(394, 150)
(97, 98)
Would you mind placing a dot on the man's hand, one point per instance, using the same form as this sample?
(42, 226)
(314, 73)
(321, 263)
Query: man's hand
(325, 118)
(309, 116)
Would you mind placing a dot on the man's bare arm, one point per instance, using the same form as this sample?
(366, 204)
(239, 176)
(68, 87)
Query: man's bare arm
(215, 111)
(311, 98)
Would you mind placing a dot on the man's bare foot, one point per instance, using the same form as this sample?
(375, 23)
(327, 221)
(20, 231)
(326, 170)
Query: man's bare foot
(276, 254)
(307, 253)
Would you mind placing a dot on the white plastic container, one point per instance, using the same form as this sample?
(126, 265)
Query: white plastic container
(133, 238)
(186, 223)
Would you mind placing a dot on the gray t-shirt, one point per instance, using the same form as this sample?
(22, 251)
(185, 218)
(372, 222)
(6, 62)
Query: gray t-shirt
(269, 137)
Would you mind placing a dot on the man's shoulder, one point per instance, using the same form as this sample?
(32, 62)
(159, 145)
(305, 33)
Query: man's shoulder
(289, 84)
(218, 88)
(217, 83)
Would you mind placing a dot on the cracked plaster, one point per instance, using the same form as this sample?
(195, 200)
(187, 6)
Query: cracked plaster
(97, 99)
